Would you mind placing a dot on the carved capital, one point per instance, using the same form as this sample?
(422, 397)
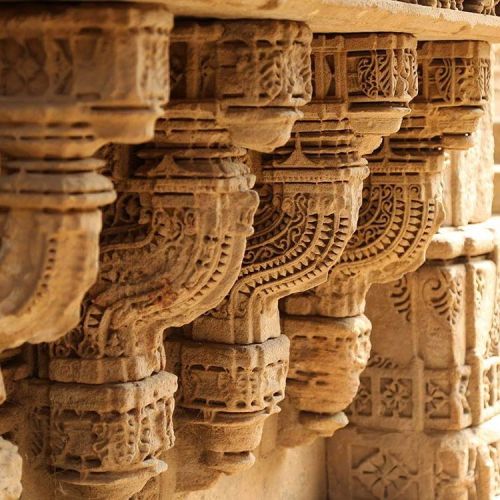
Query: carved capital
(253, 75)
(102, 441)
(400, 213)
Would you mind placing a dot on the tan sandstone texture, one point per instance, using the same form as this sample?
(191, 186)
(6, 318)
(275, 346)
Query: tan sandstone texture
(222, 272)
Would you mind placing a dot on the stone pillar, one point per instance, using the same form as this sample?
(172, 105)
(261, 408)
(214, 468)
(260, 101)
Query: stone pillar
(232, 362)
(73, 78)
(171, 249)
(425, 419)
(401, 211)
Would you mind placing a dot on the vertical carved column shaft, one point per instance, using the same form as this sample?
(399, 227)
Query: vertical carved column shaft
(73, 78)
(171, 249)
(401, 211)
(233, 367)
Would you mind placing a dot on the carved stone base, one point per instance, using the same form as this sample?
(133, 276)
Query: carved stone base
(372, 464)
(226, 393)
(80, 430)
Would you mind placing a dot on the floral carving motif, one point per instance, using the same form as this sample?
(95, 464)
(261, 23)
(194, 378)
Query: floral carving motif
(444, 295)
(401, 298)
(384, 475)
(397, 397)
(388, 74)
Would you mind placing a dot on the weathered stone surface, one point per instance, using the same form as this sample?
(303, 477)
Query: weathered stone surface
(10, 471)
(309, 200)
(345, 125)
(401, 211)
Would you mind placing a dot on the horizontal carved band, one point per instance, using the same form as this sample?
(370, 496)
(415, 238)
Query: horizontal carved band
(82, 427)
(219, 378)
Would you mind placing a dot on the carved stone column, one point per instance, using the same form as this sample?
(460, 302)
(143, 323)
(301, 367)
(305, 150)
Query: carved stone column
(401, 211)
(232, 362)
(171, 249)
(72, 79)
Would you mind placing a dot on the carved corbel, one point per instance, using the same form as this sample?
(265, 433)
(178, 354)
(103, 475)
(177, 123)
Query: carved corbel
(171, 248)
(401, 211)
(72, 79)
(61, 100)
(232, 362)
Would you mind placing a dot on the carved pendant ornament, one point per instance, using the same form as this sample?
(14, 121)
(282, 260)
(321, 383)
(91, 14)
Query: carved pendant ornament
(401, 211)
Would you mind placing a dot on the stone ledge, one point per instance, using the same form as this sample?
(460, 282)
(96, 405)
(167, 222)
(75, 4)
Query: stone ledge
(465, 241)
(340, 16)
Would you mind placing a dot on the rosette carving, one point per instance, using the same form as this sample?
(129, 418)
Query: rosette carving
(401, 211)
(310, 190)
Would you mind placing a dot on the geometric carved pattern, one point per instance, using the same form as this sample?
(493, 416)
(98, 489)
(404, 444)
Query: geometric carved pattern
(452, 325)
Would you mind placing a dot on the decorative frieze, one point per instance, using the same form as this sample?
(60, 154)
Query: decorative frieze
(401, 211)
(410, 465)
(368, 464)
(485, 7)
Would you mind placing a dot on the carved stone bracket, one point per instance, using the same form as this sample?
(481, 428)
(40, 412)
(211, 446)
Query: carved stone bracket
(61, 100)
(401, 211)
(232, 362)
(72, 79)
(171, 248)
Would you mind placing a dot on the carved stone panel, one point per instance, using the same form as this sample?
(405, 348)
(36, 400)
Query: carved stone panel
(437, 325)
